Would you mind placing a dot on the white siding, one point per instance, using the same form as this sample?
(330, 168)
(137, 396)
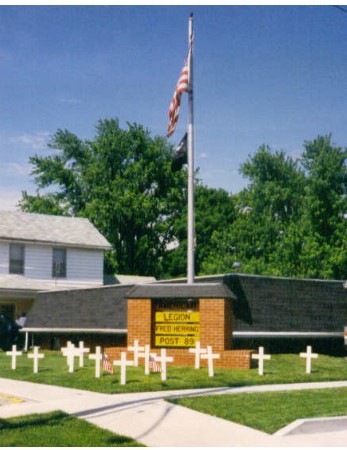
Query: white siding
(4, 255)
(38, 262)
(85, 265)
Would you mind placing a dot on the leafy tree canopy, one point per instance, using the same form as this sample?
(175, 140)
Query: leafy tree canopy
(291, 218)
(122, 181)
(289, 221)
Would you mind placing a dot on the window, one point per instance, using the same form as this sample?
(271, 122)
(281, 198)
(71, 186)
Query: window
(59, 263)
(17, 259)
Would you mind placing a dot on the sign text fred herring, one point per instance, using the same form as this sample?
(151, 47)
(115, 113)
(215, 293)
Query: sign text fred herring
(177, 317)
(173, 328)
(177, 328)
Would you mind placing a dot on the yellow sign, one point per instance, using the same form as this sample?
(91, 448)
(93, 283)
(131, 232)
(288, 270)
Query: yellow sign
(176, 341)
(173, 328)
(177, 317)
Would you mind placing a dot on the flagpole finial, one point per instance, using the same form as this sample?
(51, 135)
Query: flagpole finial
(191, 14)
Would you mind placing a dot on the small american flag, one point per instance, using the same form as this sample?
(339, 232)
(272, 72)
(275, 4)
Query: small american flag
(182, 86)
(154, 365)
(106, 364)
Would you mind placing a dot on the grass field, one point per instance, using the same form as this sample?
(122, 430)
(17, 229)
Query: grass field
(271, 411)
(57, 429)
(265, 411)
(281, 369)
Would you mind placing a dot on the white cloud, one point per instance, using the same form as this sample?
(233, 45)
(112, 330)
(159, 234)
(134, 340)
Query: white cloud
(202, 155)
(36, 141)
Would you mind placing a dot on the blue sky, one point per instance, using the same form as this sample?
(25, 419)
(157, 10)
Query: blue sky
(262, 75)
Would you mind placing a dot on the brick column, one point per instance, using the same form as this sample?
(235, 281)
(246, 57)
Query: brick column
(139, 320)
(216, 323)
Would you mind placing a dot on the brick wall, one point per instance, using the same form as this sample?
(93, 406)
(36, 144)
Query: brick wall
(216, 327)
(140, 320)
(216, 323)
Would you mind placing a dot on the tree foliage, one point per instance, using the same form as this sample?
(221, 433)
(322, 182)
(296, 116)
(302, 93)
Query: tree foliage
(214, 210)
(289, 221)
(122, 181)
(291, 218)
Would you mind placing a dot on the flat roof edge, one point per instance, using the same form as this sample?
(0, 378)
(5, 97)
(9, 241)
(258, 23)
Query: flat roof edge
(75, 330)
(180, 290)
(287, 334)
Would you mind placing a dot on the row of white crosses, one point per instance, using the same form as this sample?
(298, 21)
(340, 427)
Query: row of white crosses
(139, 352)
(200, 353)
(70, 352)
(143, 352)
(35, 356)
(261, 357)
(204, 353)
(163, 359)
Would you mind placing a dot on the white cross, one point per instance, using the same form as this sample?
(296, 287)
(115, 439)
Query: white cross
(309, 356)
(98, 357)
(261, 357)
(210, 357)
(198, 351)
(70, 352)
(163, 359)
(82, 350)
(146, 354)
(14, 353)
(65, 349)
(36, 356)
(123, 363)
(136, 348)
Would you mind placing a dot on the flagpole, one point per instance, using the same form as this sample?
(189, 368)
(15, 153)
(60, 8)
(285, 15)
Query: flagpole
(190, 151)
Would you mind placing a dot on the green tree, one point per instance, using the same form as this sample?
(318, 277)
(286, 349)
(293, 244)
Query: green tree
(214, 210)
(265, 209)
(325, 207)
(326, 185)
(122, 182)
(291, 218)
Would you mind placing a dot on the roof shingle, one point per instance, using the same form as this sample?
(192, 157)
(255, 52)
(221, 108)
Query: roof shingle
(57, 230)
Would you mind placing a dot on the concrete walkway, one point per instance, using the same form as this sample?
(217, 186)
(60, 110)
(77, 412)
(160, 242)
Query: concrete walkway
(154, 422)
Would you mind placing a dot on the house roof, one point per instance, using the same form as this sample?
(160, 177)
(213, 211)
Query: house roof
(56, 230)
(94, 310)
(127, 279)
(265, 306)
(19, 283)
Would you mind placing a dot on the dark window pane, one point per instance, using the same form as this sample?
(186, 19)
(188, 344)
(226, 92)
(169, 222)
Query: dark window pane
(17, 259)
(59, 263)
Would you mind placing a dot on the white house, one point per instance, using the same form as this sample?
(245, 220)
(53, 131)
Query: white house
(40, 252)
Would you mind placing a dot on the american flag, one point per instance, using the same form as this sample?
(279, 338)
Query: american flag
(106, 364)
(154, 365)
(182, 86)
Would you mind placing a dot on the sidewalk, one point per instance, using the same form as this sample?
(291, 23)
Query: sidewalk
(154, 422)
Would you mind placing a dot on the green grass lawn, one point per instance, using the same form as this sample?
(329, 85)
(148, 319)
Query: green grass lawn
(57, 429)
(265, 411)
(281, 369)
(271, 411)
